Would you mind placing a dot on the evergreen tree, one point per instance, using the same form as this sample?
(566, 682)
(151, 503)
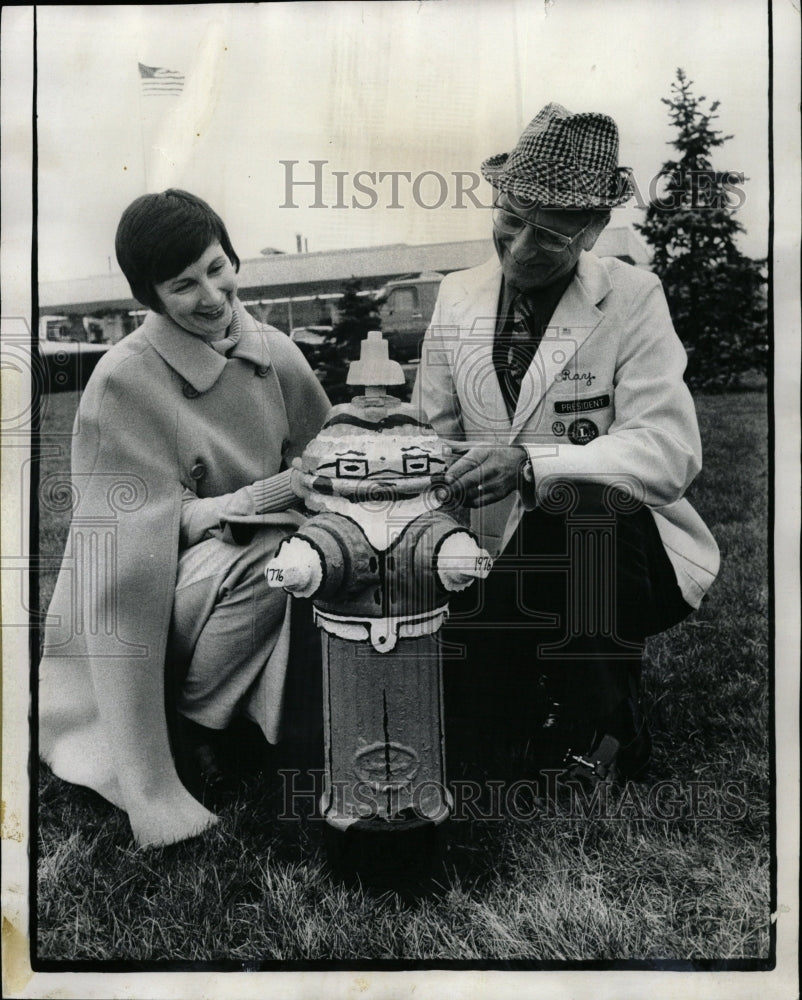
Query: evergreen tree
(717, 296)
(357, 316)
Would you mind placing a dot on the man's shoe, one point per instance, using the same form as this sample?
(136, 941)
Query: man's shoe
(611, 750)
(599, 767)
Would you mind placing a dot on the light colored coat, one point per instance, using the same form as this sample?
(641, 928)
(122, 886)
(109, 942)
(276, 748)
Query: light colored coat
(610, 365)
(162, 412)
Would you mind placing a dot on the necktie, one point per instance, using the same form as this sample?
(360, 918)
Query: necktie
(519, 335)
(524, 339)
(519, 344)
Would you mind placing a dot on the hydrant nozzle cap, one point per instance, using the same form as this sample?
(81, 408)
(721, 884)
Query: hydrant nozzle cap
(374, 367)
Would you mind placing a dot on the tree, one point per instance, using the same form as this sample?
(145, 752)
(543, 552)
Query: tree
(717, 296)
(357, 316)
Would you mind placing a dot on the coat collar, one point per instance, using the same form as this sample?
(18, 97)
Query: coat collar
(482, 290)
(592, 275)
(197, 363)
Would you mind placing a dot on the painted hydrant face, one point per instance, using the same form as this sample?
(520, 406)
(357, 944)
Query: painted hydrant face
(378, 465)
(385, 545)
(368, 444)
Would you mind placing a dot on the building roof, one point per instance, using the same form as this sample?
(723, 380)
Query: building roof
(284, 275)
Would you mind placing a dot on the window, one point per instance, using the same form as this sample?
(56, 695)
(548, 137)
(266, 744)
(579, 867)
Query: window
(404, 301)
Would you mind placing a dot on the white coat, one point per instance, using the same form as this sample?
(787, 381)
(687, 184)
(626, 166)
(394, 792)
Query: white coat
(604, 400)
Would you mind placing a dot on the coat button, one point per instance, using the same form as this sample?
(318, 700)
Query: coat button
(262, 371)
(198, 470)
(190, 391)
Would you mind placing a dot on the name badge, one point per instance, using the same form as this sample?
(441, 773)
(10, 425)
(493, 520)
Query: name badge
(582, 405)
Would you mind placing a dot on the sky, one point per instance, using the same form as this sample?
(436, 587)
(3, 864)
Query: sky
(424, 89)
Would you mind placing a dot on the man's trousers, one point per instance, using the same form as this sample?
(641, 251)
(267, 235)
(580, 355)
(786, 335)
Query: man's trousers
(562, 616)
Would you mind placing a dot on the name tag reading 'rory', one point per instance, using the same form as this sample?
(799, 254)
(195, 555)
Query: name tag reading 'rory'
(581, 405)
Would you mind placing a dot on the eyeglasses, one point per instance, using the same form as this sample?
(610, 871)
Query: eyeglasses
(510, 224)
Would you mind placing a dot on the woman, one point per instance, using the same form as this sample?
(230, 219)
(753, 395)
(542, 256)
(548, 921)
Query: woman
(180, 488)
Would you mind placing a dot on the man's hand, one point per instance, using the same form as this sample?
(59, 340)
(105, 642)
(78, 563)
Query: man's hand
(485, 474)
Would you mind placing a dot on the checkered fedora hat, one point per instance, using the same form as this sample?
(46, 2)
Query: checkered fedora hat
(563, 161)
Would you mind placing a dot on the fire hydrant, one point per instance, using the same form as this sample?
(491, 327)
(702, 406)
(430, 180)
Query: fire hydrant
(379, 557)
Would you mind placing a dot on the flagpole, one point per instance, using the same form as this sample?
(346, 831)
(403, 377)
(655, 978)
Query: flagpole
(155, 81)
(142, 130)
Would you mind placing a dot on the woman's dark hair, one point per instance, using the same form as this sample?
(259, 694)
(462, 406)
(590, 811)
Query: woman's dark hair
(161, 234)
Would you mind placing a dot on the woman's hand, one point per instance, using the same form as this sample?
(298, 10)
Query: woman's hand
(299, 487)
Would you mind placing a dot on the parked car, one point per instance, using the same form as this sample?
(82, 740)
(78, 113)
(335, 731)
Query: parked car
(326, 358)
(307, 337)
(317, 344)
(67, 364)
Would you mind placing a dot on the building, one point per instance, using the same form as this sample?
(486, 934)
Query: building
(291, 290)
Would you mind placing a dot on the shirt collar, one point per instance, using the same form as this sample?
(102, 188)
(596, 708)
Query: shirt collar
(195, 361)
(540, 297)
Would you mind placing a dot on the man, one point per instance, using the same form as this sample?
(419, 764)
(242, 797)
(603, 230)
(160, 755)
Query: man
(559, 378)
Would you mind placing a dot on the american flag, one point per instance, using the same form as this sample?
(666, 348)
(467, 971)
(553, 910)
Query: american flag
(156, 81)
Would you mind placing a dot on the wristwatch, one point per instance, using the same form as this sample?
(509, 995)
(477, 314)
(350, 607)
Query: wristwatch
(526, 471)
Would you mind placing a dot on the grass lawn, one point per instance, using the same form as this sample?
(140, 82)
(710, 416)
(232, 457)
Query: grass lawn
(677, 868)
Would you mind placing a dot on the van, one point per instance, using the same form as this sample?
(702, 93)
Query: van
(406, 313)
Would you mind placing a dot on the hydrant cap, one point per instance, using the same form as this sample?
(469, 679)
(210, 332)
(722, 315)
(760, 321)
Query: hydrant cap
(374, 366)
